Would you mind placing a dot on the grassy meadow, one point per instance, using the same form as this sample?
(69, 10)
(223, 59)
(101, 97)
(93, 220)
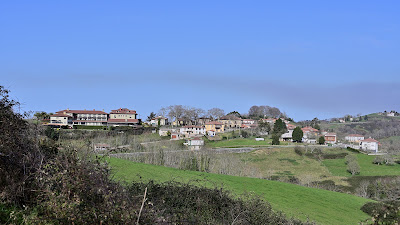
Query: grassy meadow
(324, 207)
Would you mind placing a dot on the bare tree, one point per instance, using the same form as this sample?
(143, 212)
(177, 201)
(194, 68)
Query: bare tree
(176, 112)
(216, 113)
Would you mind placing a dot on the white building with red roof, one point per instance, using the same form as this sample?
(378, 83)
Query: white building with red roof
(330, 138)
(354, 138)
(60, 119)
(190, 131)
(123, 117)
(86, 117)
(369, 144)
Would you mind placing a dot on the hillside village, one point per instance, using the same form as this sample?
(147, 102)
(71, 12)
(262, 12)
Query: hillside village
(194, 130)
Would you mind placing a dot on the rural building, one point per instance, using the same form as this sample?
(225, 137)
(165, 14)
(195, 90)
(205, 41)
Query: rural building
(163, 121)
(231, 121)
(354, 138)
(215, 126)
(330, 138)
(310, 135)
(175, 136)
(189, 131)
(123, 117)
(60, 119)
(369, 144)
(288, 136)
(87, 117)
(195, 143)
(203, 120)
(101, 147)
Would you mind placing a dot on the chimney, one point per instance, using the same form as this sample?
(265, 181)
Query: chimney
(84, 110)
(94, 110)
(103, 110)
(68, 109)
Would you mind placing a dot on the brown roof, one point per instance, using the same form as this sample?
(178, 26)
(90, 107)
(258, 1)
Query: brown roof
(60, 115)
(123, 121)
(309, 129)
(214, 123)
(83, 111)
(370, 140)
(123, 111)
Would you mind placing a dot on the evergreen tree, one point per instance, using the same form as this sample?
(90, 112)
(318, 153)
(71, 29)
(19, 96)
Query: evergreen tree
(279, 127)
(275, 139)
(321, 140)
(297, 134)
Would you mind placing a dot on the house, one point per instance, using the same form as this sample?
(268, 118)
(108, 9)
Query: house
(123, 117)
(163, 121)
(215, 126)
(310, 135)
(231, 121)
(195, 143)
(354, 138)
(211, 133)
(164, 131)
(369, 144)
(190, 131)
(203, 120)
(288, 136)
(271, 121)
(330, 138)
(101, 147)
(182, 122)
(61, 119)
(248, 121)
(86, 117)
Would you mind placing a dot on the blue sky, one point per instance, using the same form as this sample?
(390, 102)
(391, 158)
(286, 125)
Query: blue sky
(308, 58)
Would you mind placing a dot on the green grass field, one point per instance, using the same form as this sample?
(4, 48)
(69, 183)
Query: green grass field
(239, 142)
(338, 167)
(324, 207)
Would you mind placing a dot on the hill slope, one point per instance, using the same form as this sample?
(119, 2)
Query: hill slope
(324, 207)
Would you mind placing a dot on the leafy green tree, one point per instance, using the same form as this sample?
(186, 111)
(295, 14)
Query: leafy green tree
(321, 140)
(297, 135)
(366, 118)
(279, 127)
(275, 139)
(264, 126)
(41, 115)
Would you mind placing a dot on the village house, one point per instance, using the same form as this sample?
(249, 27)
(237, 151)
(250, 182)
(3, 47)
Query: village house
(86, 117)
(175, 136)
(195, 143)
(202, 121)
(288, 136)
(231, 121)
(163, 121)
(271, 121)
(369, 144)
(123, 117)
(354, 138)
(330, 138)
(310, 135)
(214, 127)
(101, 147)
(60, 119)
(190, 131)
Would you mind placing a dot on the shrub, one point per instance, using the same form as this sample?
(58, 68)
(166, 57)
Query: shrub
(299, 150)
(379, 160)
(353, 167)
(275, 140)
(383, 212)
(350, 158)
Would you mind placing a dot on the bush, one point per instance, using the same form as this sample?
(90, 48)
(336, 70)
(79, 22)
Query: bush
(383, 212)
(379, 160)
(350, 158)
(353, 167)
(335, 156)
(299, 150)
(275, 140)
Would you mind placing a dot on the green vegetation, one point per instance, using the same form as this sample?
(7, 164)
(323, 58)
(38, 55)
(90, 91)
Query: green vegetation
(90, 127)
(367, 168)
(323, 206)
(239, 142)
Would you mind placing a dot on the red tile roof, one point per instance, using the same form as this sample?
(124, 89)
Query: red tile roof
(83, 111)
(188, 126)
(309, 129)
(122, 111)
(370, 140)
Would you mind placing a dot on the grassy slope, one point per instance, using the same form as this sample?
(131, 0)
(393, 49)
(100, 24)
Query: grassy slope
(338, 167)
(323, 206)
